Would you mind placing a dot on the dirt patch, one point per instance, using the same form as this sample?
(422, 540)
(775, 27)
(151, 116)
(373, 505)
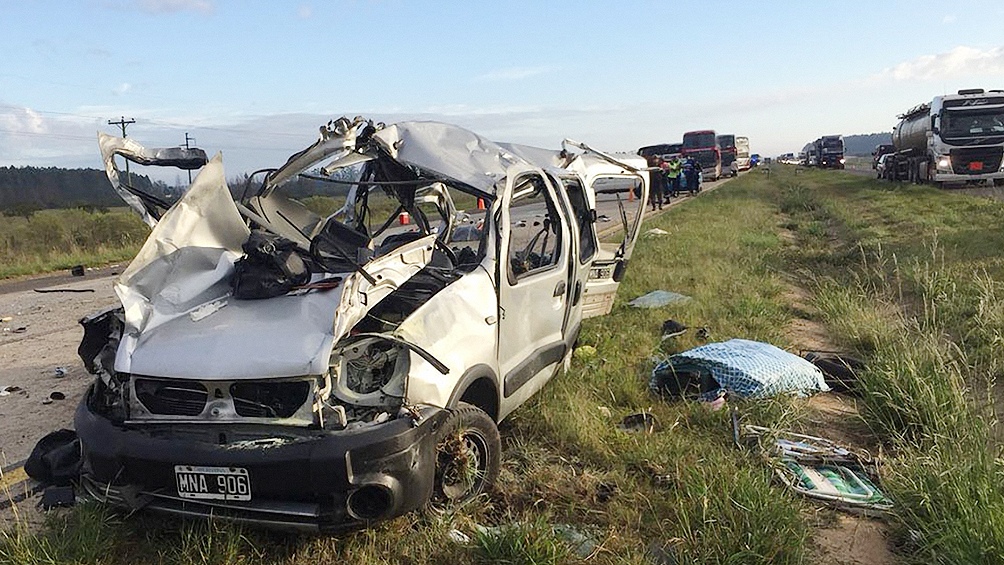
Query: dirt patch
(853, 540)
(848, 539)
(38, 357)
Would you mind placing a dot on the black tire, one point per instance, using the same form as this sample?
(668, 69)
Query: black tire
(468, 457)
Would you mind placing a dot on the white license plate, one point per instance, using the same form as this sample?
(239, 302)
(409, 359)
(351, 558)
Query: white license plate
(212, 483)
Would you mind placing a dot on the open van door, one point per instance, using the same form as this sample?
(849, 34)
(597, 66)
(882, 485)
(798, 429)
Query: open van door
(618, 189)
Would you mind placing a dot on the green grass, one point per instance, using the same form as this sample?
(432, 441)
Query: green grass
(910, 278)
(50, 240)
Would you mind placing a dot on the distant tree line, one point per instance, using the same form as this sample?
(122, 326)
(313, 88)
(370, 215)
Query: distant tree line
(23, 190)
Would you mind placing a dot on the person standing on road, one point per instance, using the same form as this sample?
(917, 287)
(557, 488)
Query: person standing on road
(658, 182)
(673, 169)
(692, 170)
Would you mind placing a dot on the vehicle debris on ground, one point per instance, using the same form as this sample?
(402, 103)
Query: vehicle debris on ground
(276, 367)
(818, 468)
(738, 367)
(658, 299)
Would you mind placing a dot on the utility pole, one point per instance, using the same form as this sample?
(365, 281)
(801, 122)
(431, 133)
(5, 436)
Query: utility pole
(187, 139)
(123, 123)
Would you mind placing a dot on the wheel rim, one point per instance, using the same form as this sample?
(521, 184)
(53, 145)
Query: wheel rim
(462, 465)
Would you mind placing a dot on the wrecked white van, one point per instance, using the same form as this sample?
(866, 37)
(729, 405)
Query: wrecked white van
(274, 366)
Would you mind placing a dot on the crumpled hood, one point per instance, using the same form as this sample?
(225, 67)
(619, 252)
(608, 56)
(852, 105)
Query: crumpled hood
(182, 322)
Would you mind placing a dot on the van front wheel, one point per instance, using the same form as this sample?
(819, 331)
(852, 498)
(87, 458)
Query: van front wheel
(468, 452)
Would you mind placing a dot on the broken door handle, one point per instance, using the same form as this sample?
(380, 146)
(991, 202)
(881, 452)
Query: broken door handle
(560, 289)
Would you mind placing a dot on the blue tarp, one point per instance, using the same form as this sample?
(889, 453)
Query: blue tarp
(747, 369)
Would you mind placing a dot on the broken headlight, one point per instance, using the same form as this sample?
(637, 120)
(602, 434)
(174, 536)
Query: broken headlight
(370, 372)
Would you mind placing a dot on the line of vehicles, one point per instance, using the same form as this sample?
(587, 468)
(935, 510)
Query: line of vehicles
(826, 152)
(717, 154)
(953, 139)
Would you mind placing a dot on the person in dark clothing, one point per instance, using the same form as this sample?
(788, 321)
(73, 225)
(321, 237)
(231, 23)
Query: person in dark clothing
(692, 170)
(658, 182)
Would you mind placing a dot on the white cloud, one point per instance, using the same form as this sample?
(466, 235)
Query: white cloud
(122, 89)
(174, 6)
(948, 19)
(960, 61)
(511, 74)
(305, 11)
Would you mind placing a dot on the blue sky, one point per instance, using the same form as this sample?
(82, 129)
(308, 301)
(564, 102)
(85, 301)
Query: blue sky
(255, 79)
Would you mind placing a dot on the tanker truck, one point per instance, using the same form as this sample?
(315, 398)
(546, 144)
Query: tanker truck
(954, 139)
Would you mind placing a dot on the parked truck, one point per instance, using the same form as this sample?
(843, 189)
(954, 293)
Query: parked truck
(954, 139)
(830, 151)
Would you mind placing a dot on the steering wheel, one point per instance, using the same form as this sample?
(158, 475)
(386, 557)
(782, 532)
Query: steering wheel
(528, 250)
(447, 251)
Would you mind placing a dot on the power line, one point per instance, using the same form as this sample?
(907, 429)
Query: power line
(165, 123)
(123, 122)
(187, 139)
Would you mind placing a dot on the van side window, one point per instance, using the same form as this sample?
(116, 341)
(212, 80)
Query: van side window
(583, 219)
(534, 229)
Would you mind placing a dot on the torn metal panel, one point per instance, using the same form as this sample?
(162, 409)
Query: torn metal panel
(186, 262)
(450, 151)
(337, 137)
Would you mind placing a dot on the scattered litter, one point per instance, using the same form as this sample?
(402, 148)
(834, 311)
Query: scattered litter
(603, 218)
(77, 270)
(58, 497)
(584, 353)
(20, 330)
(47, 290)
(656, 231)
(6, 319)
(672, 328)
(716, 404)
(46, 401)
(639, 422)
(56, 395)
(604, 411)
(747, 369)
(207, 309)
(819, 468)
(7, 390)
(658, 298)
(55, 459)
(840, 370)
(458, 537)
(60, 372)
(703, 334)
